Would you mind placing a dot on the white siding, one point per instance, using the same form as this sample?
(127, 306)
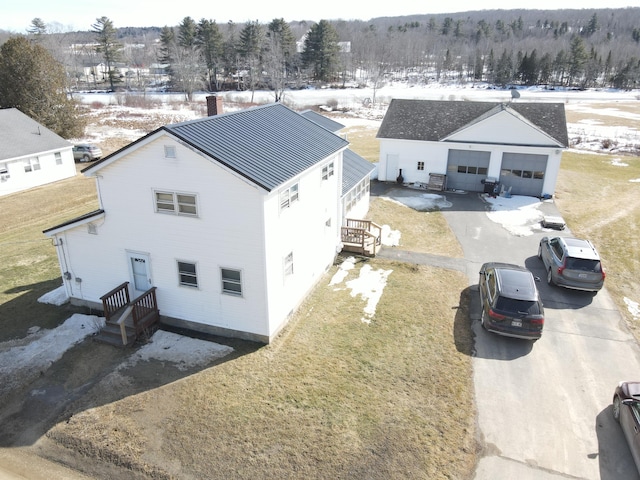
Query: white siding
(301, 229)
(410, 152)
(226, 233)
(503, 128)
(17, 179)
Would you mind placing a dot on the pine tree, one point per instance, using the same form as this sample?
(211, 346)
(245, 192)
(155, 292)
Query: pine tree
(32, 81)
(108, 46)
(321, 51)
(209, 41)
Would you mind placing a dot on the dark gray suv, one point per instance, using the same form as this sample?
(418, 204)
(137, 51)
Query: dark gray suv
(511, 304)
(571, 263)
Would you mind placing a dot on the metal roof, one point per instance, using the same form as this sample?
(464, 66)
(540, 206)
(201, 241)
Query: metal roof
(323, 121)
(268, 145)
(434, 120)
(21, 136)
(354, 169)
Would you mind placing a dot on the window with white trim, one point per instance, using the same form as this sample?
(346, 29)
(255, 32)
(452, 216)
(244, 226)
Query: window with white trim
(187, 274)
(176, 203)
(327, 171)
(58, 156)
(231, 281)
(289, 196)
(288, 264)
(32, 165)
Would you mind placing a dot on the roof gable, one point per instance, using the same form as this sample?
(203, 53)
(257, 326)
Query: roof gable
(21, 136)
(436, 120)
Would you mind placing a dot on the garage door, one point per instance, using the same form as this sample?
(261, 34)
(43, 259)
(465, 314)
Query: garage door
(524, 173)
(466, 169)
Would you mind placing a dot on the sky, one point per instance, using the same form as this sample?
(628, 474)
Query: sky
(16, 16)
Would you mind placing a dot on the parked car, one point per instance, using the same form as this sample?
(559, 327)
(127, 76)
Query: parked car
(86, 153)
(626, 410)
(510, 301)
(571, 263)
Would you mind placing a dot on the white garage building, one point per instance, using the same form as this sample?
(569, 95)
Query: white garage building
(518, 145)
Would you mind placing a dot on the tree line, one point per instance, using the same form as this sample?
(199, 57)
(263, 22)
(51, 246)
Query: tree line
(561, 48)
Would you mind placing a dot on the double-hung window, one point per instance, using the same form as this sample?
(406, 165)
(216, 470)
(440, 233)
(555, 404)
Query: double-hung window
(327, 171)
(58, 157)
(176, 203)
(187, 274)
(231, 281)
(289, 196)
(32, 165)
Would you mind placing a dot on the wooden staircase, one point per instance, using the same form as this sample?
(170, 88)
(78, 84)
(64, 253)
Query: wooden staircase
(361, 236)
(126, 321)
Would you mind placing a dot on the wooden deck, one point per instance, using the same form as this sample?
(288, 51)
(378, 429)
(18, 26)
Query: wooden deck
(126, 321)
(361, 236)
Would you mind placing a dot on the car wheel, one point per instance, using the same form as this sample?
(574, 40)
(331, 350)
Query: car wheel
(85, 158)
(616, 408)
(482, 320)
(549, 277)
(540, 251)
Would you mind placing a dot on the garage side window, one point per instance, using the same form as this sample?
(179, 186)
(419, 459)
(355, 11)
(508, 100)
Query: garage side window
(231, 281)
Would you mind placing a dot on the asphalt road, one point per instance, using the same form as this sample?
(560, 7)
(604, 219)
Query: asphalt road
(544, 408)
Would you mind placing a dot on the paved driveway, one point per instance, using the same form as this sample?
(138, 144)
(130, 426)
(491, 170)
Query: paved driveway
(544, 408)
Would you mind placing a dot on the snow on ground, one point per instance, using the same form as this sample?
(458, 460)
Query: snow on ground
(26, 358)
(369, 285)
(518, 215)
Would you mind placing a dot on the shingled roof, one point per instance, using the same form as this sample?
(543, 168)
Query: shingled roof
(21, 136)
(435, 120)
(268, 145)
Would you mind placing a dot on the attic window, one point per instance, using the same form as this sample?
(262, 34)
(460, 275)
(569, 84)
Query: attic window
(92, 229)
(58, 156)
(169, 151)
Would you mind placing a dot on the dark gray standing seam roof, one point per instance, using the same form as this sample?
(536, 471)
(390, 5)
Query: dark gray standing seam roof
(354, 169)
(323, 121)
(268, 145)
(20, 136)
(434, 120)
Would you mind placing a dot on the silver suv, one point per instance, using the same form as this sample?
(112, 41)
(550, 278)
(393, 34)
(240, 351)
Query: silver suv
(571, 263)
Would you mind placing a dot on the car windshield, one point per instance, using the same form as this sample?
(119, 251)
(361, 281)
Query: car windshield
(521, 306)
(583, 264)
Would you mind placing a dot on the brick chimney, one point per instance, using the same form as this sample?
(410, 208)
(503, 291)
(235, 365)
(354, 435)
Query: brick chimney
(214, 105)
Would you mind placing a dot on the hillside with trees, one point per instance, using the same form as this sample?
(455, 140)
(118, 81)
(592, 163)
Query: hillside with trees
(560, 48)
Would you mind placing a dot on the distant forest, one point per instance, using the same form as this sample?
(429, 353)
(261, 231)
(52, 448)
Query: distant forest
(568, 48)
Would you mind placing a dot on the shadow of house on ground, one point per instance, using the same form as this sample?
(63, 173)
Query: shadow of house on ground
(89, 375)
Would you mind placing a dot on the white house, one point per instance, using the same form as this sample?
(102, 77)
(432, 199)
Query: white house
(233, 219)
(518, 144)
(30, 154)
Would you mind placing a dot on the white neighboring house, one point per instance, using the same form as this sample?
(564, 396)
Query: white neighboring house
(30, 154)
(517, 144)
(232, 218)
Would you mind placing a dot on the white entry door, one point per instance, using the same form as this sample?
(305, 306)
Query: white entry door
(139, 271)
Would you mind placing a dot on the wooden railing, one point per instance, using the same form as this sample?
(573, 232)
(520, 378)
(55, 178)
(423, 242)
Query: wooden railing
(115, 300)
(362, 236)
(145, 310)
(138, 316)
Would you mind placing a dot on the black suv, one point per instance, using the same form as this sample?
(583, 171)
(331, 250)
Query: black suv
(511, 304)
